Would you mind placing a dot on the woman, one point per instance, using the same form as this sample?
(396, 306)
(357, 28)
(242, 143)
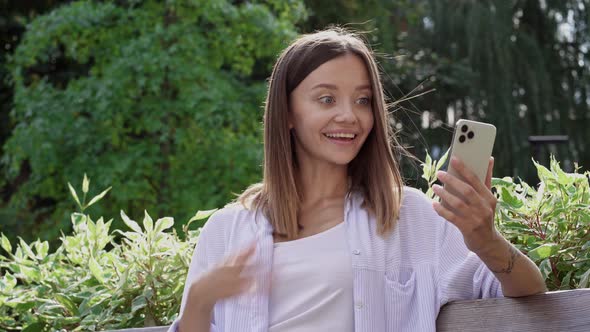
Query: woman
(331, 240)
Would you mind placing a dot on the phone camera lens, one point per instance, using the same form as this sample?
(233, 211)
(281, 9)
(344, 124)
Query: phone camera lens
(470, 135)
(462, 138)
(464, 128)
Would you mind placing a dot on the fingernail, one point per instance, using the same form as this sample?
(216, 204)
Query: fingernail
(441, 174)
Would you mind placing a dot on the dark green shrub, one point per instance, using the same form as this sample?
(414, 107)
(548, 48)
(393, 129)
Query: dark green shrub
(163, 97)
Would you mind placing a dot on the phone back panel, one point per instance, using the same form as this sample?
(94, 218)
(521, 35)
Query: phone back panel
(473, 143)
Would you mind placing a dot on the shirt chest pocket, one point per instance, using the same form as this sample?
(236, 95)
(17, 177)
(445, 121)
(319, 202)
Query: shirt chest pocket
(401, 298)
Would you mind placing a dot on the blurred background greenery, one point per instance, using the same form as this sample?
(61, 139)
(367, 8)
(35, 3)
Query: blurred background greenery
(163, 99)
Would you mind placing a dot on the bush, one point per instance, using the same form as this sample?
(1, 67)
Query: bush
(92, 282)
(550, 224)
(100, 279)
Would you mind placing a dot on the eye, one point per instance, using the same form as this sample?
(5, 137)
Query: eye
(327, 99)
(364, 101)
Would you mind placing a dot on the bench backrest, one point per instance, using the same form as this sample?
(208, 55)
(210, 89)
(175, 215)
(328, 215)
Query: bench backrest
(552, 311)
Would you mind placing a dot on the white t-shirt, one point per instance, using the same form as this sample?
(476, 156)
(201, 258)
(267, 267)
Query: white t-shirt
(312, 284)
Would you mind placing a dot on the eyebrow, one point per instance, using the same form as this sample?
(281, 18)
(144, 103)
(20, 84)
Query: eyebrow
(334, 87)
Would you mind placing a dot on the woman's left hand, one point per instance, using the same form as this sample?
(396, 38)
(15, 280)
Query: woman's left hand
(470, 205)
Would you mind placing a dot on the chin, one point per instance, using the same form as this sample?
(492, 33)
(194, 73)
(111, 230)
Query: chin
(342, 161)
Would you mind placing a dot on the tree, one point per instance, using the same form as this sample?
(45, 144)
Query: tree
(161, 99)
(522, 65)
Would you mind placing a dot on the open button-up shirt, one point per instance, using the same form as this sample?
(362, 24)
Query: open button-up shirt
(400, 281)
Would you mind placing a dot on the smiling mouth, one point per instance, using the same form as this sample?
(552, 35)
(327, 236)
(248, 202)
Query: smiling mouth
(341, 137)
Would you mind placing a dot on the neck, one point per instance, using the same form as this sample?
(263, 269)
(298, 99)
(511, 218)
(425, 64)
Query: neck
(322, 183)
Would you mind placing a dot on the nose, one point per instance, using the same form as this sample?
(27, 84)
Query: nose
(346, 114)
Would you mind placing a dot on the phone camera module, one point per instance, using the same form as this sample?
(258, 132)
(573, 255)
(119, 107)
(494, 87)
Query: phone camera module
(470, 135)
(462, 138)
(464, 128)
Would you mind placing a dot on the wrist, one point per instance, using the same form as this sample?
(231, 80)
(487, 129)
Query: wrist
(195, 313)
(198, 300)
(496, 246)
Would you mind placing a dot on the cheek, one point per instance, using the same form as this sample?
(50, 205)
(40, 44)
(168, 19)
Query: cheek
(368, 121)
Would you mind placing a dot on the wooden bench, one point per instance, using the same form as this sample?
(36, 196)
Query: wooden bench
(553, 311)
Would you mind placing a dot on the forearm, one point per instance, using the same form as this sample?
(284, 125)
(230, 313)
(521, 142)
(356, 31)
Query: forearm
(195, 318)
(518, 275)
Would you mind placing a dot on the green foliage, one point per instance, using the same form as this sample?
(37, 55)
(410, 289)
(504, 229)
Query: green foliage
(92, 282)
(429, 169)
(509, 63)
(551, 224)
(163, 97)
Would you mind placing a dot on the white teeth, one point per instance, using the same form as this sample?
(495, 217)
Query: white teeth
(340, 135)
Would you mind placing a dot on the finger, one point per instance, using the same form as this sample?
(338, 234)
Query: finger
(453, 183)
(489, 173)
(246, 253)
(447, 214)
(237, 286)
(456, 203)
(468, 175)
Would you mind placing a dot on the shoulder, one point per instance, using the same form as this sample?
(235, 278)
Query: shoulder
(414, 199)
(417, 210)
(233, 222)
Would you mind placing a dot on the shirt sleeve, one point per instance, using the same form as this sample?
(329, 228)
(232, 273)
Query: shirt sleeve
(462, 275)
(199, 265)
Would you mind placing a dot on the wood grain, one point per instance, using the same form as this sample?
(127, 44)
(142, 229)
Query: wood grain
(552, 311)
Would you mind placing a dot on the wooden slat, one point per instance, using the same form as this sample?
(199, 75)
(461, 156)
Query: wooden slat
(552, 311)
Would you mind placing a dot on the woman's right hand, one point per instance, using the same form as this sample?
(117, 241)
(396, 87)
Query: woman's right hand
(222, 281)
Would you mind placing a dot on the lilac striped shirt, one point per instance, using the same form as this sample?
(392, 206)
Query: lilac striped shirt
(400, 282)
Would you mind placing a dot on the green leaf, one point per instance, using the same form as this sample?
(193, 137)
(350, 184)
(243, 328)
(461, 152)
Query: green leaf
(545, 268)
(67, 303)
(85, 184)
(73, 192)
(98, 197)
(543, 251)
(31, 273)
(138, 303)
(6, 244)
(442, 160)
(163, 224)
(584, 279)
(25, 247)
(148, 222)
(511, 199)
(42, 248)
(545, 175)
(565, 282)
(96, 270)
(34, 327)
(506, 181)
(202, 215)
(10, 282)
(130, 223)
(78, 218)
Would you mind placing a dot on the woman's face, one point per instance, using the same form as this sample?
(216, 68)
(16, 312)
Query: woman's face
(331, 113)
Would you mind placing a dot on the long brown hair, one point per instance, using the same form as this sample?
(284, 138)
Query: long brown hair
(374, 171)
